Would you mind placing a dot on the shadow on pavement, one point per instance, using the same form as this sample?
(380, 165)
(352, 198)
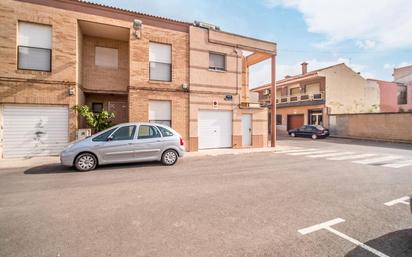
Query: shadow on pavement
(56, 168)
(397, 243)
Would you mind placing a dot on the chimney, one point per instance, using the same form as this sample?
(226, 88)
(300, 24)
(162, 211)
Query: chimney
(304, 68)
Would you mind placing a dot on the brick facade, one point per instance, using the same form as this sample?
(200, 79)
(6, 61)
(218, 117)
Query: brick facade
(75, 79)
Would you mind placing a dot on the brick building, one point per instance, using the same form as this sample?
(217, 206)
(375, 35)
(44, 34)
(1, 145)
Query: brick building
(61, 53)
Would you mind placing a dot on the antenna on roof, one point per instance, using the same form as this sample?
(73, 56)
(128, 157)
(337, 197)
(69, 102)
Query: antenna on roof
(206, 25)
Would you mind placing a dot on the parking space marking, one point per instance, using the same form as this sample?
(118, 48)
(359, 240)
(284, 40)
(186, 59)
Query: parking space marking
(327, 226)
(398, 164)
(329, 154)
(352, 157)
(378, 159)
(310, 152)
(402, 200)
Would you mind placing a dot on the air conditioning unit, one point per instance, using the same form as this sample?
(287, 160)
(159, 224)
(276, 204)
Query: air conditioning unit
(206, 25)
(266, 92)
(83, 133)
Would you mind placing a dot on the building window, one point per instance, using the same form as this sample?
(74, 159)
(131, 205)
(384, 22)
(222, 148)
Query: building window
(278, 119)
(34, 46)
(97, 107)
(217, 61)
(160, 112)
(402, 94)
(294, 91)
(160, 58)
(106, 57)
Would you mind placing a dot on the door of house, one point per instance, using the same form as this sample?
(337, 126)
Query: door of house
(120, 111)
(316, 117)
(247, 129)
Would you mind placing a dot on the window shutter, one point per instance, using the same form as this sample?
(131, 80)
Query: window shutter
(35, 35)
(217, 61)
(160, 53)
(107, 57)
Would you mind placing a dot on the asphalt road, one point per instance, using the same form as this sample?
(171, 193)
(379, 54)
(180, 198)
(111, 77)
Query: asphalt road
(229, 205)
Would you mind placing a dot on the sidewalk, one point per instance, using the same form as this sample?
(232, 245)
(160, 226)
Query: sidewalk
(216, 152)
(36, 161)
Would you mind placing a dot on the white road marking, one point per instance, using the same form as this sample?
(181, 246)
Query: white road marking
(352, 157)
(296, 150)
(327, 225)
(402, 200)
(320, 226)
(398, 164)
(356, 242)
(329, 154)
(378, 159)
(310, 152)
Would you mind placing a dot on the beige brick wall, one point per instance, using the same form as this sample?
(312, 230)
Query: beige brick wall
(103, 78)
(207, 86)
(386, 126)
(139, 108)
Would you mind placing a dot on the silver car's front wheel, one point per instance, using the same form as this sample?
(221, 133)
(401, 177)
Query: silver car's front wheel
(85, 162)
(169, 157)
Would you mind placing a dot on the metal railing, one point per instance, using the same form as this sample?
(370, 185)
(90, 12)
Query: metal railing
(301, 98)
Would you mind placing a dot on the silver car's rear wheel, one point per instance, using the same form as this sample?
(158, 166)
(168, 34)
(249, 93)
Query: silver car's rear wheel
(85, 162)
(169, 157)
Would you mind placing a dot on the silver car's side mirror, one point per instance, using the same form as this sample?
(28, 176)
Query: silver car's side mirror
(110, 138)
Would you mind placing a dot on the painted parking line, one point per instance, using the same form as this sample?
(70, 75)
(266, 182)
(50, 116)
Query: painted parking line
(310, 152)
(327, 226)
(329, 154)
(378, 159)
(352, 157)
(402, 200)
(398, 164)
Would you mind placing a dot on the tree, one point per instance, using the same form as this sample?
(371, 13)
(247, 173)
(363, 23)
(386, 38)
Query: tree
(97, 121)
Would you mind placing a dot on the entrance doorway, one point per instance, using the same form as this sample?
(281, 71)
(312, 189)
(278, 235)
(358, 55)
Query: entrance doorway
(316, 117)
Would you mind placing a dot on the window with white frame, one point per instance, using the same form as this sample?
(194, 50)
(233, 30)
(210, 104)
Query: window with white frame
(160, 58)
(217, 61)
(106, 57)
(34, 46)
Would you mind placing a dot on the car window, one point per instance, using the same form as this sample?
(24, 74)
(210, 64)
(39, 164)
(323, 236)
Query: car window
(146, 131)
(165, 132)
(124, 133)
(103, 137)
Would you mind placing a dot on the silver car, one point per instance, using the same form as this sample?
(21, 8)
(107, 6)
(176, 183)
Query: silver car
(123, 143)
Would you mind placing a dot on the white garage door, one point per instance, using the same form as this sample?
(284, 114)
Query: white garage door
(160, 112)
(34, 130)
(214, 129)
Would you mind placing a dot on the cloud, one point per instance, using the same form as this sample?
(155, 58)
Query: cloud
(372, 24)
(260, 73)
(391, 66)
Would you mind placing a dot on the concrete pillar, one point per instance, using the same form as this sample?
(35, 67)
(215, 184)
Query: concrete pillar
(245, 81)
(273, 103)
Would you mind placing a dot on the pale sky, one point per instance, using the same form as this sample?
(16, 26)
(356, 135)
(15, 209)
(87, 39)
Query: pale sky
(371, 36)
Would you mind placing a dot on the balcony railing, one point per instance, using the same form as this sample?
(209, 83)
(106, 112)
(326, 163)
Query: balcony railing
(301, 98)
